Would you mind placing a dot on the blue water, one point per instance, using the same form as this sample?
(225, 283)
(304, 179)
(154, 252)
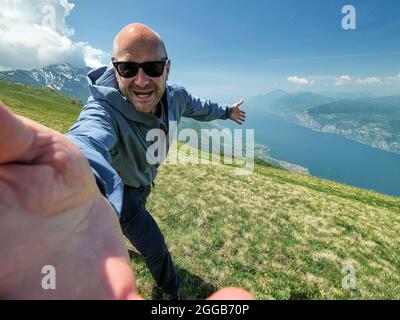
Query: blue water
(328, 155)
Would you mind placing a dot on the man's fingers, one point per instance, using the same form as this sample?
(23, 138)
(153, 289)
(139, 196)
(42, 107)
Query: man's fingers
(121, 279)
(134, 296)
(239, 118)
(15, 136)
(240, 114)
(231, 294)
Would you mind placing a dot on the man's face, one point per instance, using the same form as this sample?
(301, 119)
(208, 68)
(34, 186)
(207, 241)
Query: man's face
(143, 91)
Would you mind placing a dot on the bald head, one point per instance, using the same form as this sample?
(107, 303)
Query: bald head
(139, 44)
(137, 39)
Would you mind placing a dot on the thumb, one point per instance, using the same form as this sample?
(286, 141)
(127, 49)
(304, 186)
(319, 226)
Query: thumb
(239, 103)
(15, 136)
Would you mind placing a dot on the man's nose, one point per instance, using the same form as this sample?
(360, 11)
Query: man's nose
(142, 80)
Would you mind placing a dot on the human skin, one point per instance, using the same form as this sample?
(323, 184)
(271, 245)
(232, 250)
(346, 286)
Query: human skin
(138, 43)
(52, 213)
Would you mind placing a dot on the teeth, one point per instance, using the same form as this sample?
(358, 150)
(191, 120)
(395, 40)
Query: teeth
(143, 93)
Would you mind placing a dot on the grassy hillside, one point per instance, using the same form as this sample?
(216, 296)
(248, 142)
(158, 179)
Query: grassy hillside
(42, 105)
(279, 234)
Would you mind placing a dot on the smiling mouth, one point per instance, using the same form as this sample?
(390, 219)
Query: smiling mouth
(144, 95)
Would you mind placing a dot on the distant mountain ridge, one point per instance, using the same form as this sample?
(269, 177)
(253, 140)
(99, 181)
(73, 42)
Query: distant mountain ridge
(371, 120)
(63, 78)
(359, 116)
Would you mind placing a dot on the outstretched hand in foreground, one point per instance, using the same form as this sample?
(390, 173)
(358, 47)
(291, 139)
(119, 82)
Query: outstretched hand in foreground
(52, 214)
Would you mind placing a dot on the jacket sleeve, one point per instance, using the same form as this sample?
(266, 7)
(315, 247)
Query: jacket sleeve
(204, 110)
(95, 135)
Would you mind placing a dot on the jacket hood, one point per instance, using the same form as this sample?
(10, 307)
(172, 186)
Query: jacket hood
(103, 86)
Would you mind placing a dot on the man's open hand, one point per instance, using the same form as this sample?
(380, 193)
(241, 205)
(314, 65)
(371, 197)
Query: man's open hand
(51, 213)
(238, 115)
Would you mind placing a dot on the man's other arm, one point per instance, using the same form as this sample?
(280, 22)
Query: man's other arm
(204, 110)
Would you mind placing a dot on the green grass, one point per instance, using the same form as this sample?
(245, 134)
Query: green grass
(42, 105)
(276, 233)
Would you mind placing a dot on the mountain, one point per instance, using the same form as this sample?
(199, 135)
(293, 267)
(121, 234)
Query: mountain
(278, 234)
(292, 103)
(284, 103)
(342, 95)
(262, 103)
(372, 121)
(63, 78)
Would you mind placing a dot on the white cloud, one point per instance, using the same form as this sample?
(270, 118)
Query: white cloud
(94, 57)
(370, 80)
(393, 78)
(297, 80)
(342, 80)
(34, 34)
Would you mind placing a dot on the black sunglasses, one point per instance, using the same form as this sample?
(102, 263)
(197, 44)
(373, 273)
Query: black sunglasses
(130, 69)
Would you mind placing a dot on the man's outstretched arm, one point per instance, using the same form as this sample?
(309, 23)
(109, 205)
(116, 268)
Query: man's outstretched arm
(95, 135)
(205, 110)
(52, 213)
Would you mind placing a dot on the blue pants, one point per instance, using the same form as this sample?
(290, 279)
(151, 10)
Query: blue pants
(143, 232)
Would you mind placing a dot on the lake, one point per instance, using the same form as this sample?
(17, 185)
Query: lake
(327, 155)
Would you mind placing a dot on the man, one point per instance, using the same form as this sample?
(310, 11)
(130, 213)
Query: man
(128, 100)
(52, 214)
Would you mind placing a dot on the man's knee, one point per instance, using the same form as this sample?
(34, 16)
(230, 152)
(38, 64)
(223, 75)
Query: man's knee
(156, 249)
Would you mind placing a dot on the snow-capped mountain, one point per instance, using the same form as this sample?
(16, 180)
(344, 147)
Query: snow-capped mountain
(64, 78)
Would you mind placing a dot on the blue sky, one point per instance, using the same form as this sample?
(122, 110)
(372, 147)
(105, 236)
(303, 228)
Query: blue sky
(224, 50)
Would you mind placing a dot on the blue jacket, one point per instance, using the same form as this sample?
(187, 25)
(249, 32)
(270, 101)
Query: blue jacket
(112, 134)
